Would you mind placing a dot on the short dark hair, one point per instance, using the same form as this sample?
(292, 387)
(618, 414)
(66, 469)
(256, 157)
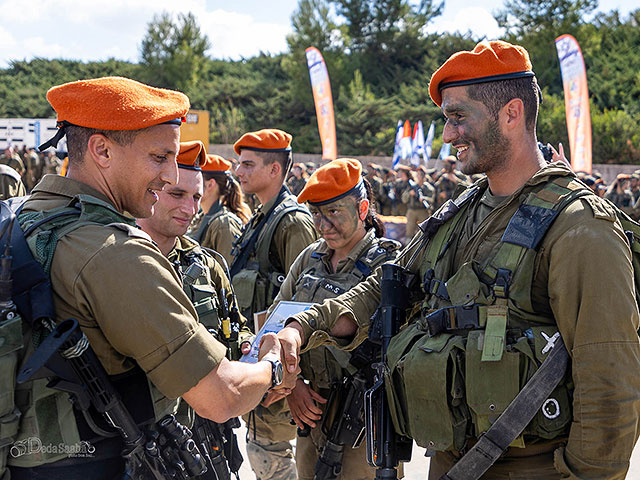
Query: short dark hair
(285, 159)
(495, 95)
(78, 139)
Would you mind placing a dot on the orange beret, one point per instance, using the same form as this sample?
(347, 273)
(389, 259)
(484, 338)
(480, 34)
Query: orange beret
(192, 155)
(267, 140)
(488, 62)
(116, 103)
(215, 163)
(332, 181)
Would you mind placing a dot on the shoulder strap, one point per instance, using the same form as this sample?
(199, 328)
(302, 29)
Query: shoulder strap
(245, 246)
(289, 205)
(31, 287)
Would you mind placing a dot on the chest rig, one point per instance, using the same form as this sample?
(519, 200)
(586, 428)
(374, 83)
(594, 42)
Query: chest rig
(191, 266)
(47, 413)
(257, 275)
(324, 366)
(476, 338)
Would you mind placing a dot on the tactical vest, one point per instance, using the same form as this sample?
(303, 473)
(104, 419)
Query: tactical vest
(47, 414)
(258, 283)
(325, 365)
(191, 266)
(486, 339)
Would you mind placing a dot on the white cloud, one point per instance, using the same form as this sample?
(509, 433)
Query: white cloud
(475, 19)
(99, 29)
(235, 35)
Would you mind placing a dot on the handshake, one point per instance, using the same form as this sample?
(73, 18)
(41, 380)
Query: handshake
(285, 346)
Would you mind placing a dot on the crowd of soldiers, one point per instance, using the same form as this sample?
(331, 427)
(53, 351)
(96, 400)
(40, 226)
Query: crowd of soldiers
(30, 164)
(141, 279)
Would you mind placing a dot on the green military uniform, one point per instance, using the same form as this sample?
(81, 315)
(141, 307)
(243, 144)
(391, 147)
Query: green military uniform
(624, 201)
(105, 273)
(10, 183)
(416, 211)
(312, 279)
(14, 161)
(296, 184)
(399, 208)
(565, 284)
(386, 196)
(218, 230)
(445, 187)
(285, 234)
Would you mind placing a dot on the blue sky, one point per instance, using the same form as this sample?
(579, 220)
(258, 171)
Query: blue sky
(100, 29)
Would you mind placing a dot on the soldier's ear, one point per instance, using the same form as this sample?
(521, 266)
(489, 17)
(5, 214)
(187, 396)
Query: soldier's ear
(99, 150)
(363, 209)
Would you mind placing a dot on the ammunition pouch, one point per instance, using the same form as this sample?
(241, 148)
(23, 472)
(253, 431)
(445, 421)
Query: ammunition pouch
(10, 345)
(445, 372)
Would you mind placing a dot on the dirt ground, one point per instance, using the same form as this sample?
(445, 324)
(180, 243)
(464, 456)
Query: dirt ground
(418, 467)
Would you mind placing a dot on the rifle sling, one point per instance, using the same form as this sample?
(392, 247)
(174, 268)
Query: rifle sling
(241, 260)
(492, 444)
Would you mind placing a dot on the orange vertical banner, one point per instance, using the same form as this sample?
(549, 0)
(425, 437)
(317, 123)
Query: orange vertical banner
(324, 102)
(576, 101)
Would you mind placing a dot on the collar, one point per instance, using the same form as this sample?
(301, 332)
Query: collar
(325, 253)
(66, 187)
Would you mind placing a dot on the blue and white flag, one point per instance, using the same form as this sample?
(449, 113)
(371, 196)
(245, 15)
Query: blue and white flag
(427, 144)
(445, 151)
(417, 144)
(397, 149)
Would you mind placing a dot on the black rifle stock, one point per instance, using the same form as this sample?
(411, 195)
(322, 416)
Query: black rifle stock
(343, 425)
(76, 370)
(386, 449)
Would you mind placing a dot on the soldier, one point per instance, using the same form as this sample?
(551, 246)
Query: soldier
(351, 246)
(13, 160)
(10, 183)
(33, 168)
(447, 181)
(620, 194)
(225, 209)
(296, 181)
(400, 186)
(204, 281)
(270, 242)
(419, 199)
(495, 262)
(123, 137)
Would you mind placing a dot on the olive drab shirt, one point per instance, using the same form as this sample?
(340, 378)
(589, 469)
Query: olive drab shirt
(10, 183)
(127, 298)
(293, 233)
(413, 202)
(323, 282)
(218, 229)
(216, 278)
(583, 280)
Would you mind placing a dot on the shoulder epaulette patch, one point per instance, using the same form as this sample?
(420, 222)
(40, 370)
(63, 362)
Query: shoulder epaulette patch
(601, 208)
(131, 231)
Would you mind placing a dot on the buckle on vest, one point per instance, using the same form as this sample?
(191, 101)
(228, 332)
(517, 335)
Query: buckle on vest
(501, 285)
(453, 318)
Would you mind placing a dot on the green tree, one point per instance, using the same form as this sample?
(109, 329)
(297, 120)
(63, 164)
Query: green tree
(535, 24)
(173, 53)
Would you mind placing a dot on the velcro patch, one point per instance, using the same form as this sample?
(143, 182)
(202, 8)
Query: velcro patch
(529, 225)
(601, 208)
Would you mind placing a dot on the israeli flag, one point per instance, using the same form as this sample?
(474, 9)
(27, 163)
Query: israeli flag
(417, 143)
(397, 149)
(445, 151)
(427, 144)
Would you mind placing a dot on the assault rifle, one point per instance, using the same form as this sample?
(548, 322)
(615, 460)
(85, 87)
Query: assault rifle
(385, 448)
(416, 188)
(343, 421)
(219, 445)
(67, 357)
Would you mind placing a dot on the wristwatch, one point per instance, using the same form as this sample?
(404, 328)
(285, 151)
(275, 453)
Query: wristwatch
(277, 372)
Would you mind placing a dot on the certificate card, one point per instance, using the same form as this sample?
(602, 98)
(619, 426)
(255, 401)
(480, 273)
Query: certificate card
(274, 324)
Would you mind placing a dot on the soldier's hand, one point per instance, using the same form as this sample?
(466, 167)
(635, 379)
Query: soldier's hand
(291, 338)
(273, 396)
(303, 403)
